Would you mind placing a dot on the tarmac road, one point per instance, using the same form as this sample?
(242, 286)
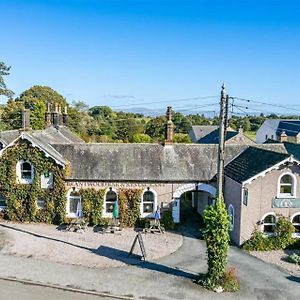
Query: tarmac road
(12, 290)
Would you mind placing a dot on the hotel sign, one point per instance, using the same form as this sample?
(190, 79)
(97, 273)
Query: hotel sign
(286, 203)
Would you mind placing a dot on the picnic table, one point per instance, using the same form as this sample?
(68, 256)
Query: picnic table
(76, 225)
(155, 227)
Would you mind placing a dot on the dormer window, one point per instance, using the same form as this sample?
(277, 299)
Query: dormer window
(25, 172)
(287, 186)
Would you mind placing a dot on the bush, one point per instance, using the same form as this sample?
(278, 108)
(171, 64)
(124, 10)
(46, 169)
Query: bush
(294, 258)
(167, 220)
(282, 238)
(216, 235)
(230, 282)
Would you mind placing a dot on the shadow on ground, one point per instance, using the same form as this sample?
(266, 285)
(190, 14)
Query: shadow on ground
(116, 254)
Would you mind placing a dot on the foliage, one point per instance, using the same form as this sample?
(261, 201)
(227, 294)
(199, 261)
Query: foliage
(230, 282)
(129, 206)
(141, 138)
(4, 71)
(22, 198)
(92, 205)
(216, 235)
(282, 237)
(181, 138)
(167, 219)
(294, 258)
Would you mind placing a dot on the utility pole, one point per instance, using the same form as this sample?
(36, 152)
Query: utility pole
(222, 132)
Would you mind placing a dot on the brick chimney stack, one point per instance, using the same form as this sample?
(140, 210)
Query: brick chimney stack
(169, 127)
(60, 116)
(25, 119)
(283, 137)
(48, 116)
(65, 116)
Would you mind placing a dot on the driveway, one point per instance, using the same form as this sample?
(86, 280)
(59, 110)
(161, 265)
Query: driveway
(167, 278)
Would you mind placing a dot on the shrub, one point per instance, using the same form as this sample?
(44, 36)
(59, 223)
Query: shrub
(281, 239)
(294, 258)
(167, 219)
(216, 235)
(230, 282)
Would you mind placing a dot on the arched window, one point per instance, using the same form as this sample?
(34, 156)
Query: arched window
(73, 198)
(287, 186)
(1, 145)
(231, 216)
(269, 223)
(110, 199)
(148, 203)
(296, 223)
(25, 172)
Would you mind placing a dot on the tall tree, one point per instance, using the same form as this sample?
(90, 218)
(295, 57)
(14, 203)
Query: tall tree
(4, 91)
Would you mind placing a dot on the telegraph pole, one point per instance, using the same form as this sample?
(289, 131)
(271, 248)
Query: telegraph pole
(222, 132)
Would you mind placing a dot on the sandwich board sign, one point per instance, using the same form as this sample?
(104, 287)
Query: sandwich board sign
(139, 238)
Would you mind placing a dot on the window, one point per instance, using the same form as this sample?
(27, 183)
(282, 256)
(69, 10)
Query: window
(40, 203)
(245, 198)
(266, 136)
(72, 202)
(287, 186)
(47, 180)
(1, 146)
(148, 203)
(2, 202)
(110, 199)
(269, 223)
(296, 223)
(25, 172)
(231, 216)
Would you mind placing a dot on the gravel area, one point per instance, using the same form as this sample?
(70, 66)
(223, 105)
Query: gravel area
(90, 249)
(278, 258)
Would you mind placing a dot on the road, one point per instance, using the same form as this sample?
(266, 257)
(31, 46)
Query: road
(12, 290)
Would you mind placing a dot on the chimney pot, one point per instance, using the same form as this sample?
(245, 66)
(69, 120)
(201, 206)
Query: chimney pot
(25, 119)
(169, 127)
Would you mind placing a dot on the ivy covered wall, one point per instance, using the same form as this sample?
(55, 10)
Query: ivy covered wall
(22, 198)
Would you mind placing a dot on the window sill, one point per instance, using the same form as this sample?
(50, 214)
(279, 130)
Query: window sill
(2, 208)
(282, 196)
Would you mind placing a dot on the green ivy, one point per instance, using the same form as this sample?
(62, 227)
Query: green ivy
(216, 235)
(129, 206)
(22, 198)
(92, 205)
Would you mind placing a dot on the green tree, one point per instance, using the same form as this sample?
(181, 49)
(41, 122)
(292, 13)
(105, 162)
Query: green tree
(4, 71)
(35, 99)
(181, 138)
(141, 138)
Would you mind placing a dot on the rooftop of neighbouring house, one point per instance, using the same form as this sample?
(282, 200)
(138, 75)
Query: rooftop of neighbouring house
(253, 161)
(290, 127)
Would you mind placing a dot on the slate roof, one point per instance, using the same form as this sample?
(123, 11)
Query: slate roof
(293, 149)
(253, 161)
(199, 131)
(147, 162)
(213, 137)
(290, 127)
(9, 136)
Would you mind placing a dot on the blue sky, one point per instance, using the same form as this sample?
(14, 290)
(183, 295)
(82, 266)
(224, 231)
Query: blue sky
(119, 52)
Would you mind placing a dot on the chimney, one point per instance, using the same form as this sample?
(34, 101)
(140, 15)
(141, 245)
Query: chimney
(48, 116)
(241, 130)
(283, 137)
(169, 127)
(60, 116)
(55, 115)
(65, 116)
(25, 119)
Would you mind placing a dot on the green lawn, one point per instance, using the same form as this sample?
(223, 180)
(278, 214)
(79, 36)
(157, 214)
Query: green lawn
(251, 135)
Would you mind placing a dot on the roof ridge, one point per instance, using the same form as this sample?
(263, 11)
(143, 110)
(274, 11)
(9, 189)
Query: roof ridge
(267, 150)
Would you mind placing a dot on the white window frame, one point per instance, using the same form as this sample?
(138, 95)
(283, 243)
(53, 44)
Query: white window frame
(69, 197)
(263, 224)
(231, 214)
(50, 180)
(296, 234)
(104, 213)
(19, 172)
(294, 186)
(245, 196)
(142, 214)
